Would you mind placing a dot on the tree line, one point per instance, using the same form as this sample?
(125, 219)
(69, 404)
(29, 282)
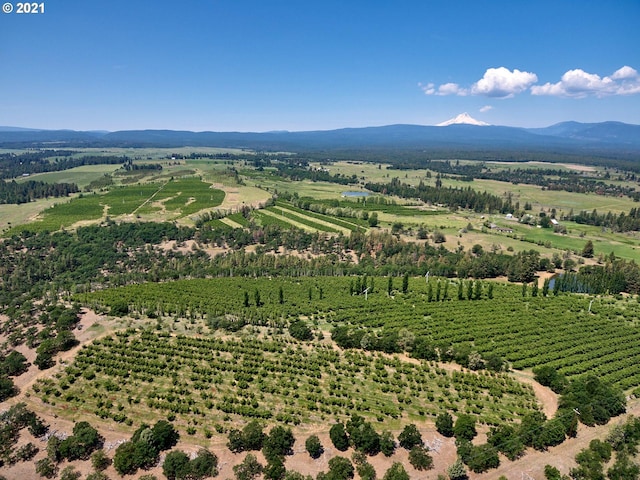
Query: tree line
(548, 178)
(39, 161)
(17, 193)
(623, 222)
(454, 198)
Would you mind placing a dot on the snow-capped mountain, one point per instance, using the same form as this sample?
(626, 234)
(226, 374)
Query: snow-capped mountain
(463, 119)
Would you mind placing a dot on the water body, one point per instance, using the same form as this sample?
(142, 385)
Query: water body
(355, 194)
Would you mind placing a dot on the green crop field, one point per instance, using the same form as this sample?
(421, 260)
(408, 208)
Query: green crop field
(180, 197)
(203, 381)
(605, 340)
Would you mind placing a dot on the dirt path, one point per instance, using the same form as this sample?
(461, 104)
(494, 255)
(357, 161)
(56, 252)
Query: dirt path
(150, 199)
(547, 397)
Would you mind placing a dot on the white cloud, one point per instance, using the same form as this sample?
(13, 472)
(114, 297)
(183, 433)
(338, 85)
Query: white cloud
(579, 84)
(624, 73)
(428, 89)
(442, 90)
(451, 89)
(486, 108)
(496, 82)
(503, 83)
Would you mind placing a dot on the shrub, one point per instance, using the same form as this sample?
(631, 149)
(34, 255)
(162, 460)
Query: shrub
(387, 444)
(100, 461)
(46, 468)
(457, 471)
(340, 468)
(314, 447)
(410, 437)
(70, 473)
(420, 459)
(444, 424)
(465, 427)
(396, 472)
(176, 465)
(278, 443)
(99, 476)
(249, 469)
(339, 437)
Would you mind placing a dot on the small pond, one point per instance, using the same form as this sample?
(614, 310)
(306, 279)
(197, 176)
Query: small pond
(355, 194)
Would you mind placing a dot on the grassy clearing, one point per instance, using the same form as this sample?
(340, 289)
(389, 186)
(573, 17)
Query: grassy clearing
(15, 215)
(81, 176)
(562, 201)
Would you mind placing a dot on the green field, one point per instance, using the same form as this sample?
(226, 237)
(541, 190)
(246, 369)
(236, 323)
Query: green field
(81, 176)
(605, 340)
(181, 197)
(209, 381)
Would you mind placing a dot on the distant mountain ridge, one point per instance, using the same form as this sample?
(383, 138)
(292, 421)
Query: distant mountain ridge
(572, 136)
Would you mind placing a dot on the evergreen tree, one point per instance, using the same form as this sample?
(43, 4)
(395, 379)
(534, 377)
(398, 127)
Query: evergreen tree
(477, 290)
(405, 283)
(545, 287)
(587, 251)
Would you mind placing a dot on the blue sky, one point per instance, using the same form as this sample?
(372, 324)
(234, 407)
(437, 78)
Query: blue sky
(260, 65)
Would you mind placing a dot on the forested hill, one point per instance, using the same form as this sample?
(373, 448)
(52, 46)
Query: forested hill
(565, 137)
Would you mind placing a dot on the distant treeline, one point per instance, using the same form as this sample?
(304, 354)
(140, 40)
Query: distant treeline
(549, 178)
(618, 160)
(623, 222)
(453, 198)
(16, 193)
(316, 175)
(129, 166)
(39, 161)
